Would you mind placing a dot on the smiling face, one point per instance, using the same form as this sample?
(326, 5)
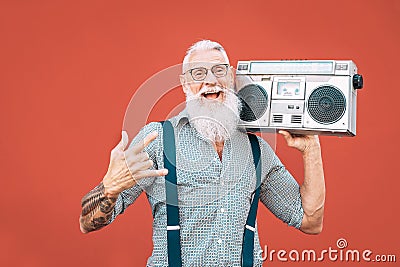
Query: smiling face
(212, 105)
(211, 87)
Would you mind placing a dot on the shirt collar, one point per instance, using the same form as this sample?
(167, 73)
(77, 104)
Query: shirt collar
(181, 118)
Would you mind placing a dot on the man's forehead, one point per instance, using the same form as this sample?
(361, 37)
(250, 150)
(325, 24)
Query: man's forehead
(206, 58)
(207, 65)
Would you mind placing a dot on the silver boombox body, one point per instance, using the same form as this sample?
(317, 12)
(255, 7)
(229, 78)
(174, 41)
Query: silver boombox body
(300, 96)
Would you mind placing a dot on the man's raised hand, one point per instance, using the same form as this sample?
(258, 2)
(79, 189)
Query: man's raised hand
(302, 143)
(128, 165)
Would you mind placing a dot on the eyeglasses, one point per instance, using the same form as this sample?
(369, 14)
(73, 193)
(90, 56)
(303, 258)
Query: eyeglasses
(200, 73)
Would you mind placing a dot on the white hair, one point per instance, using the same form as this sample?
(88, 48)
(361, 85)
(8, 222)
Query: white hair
(203, 45)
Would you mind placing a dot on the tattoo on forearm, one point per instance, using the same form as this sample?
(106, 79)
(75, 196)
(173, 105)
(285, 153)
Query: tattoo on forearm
(96, 209)
(98, 190)
(107, 205)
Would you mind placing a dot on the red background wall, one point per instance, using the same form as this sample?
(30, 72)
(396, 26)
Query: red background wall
(69, 68)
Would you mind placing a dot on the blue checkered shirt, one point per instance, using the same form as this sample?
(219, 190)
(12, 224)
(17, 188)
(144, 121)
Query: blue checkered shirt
(214, 195)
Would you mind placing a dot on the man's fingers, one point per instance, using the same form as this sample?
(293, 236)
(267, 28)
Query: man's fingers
(299, 142)
(145, 142)
(149, 138)
(136, 162)
(143, 156)
(135, 166)
(150, 173)
(143, 174)
(290, 140)
(285, 134)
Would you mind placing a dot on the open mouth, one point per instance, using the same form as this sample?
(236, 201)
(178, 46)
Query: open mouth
(211, 95)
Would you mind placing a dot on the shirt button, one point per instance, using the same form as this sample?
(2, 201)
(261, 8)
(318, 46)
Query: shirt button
(219, 241)
(222, 210)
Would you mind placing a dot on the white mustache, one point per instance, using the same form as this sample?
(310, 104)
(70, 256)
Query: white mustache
(213, 89)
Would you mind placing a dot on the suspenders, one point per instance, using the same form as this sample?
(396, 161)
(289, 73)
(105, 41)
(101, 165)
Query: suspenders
(173, 227)
(250, 228)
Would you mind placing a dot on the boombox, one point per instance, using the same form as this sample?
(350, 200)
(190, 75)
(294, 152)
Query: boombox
(300, 96)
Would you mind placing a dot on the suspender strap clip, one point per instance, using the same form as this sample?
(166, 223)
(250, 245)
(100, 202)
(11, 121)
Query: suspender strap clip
(250, 228)
(173, 227)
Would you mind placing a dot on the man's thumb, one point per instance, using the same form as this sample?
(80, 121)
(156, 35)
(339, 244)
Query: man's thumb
(124, 139)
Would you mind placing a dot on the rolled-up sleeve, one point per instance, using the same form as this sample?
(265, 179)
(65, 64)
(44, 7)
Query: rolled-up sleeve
(280, 192)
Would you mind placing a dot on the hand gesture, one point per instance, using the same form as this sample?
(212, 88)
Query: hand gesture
(128, 165)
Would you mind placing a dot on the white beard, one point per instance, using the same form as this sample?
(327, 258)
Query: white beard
(213, 119)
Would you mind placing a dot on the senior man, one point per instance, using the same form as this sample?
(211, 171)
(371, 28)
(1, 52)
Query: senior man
(215, 175)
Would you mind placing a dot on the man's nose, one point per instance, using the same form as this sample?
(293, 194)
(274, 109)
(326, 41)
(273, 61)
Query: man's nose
(210, 78)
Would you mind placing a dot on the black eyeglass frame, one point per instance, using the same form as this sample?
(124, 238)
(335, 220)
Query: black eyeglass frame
(206, 71)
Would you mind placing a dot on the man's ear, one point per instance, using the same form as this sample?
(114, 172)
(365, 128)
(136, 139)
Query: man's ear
(183, 83)
(231, 77)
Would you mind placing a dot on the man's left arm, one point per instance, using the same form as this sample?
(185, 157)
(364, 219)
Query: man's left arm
(312, 190)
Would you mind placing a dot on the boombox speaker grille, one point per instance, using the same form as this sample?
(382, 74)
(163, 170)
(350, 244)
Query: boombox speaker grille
(254, 102)
(326, 104)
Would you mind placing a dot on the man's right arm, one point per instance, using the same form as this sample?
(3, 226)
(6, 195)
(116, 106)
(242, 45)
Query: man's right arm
(127, 166)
